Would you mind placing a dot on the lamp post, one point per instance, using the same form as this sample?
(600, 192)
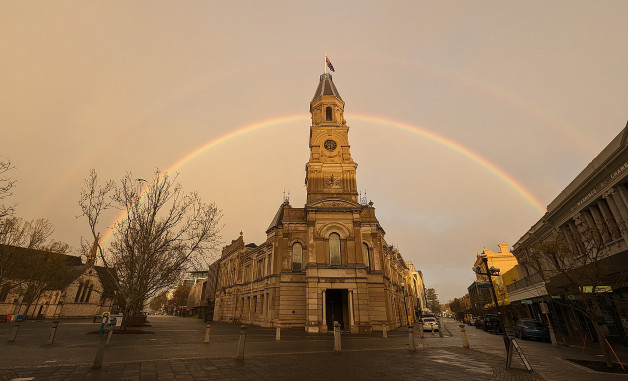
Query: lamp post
(490, 272)
(405, 308)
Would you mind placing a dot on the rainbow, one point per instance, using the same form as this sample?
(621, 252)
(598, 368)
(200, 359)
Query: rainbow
(474, 156)
(507, 97)
(54, 189)
(430, 135)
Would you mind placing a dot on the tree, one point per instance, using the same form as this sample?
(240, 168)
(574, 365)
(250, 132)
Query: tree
(432, 300)
(179, 297)
(159, 301)
(576, 266)
(456, 306)
(163, 233)
(27, 257)
(6, 184)
(41, 271)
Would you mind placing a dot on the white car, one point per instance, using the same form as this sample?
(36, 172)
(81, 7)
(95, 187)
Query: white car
(429, 324)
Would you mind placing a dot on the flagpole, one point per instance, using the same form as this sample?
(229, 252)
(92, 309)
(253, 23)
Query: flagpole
(325, 62)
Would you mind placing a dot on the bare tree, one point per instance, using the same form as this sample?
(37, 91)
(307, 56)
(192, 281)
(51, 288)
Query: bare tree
(577, 266)
(41, 272)
(6, 184)
(20, 239)
(30, 262)
(164, 233)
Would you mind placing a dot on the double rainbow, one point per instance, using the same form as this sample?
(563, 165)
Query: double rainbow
(502, 175)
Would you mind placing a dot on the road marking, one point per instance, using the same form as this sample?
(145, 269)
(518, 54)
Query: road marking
(179, 330)
(467, 364)
(23, 379)
(51, 360)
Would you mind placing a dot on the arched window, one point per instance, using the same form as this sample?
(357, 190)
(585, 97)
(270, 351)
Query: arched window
(365, 252)
(89, 293)
(334, 249)
(78, 293)
(297, 257)
(328, 114)
(84, 291)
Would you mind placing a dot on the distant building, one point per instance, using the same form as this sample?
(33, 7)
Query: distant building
(40, 284)
(480, 294)
(504, 260)
(202, 296)
(327, 261)
(418, 289)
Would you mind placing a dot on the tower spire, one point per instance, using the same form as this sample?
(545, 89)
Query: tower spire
(330, 172)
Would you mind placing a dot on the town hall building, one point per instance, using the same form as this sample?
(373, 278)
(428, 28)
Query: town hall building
(327, 261)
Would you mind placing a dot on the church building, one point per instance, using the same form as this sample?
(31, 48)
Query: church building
(326, 261)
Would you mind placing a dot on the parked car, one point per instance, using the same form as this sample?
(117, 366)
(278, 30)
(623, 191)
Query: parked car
(479, 322)
(531, 329)
(429, 324)
(492, 324)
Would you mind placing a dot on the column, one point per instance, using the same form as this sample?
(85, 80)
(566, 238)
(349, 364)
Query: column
(615, 211)
(576, 235)
(272, 261)
(615, 202)
(265, 272)
(566, 232)
(623, 193)
(619, 203)
(599, 222)
(611, 220)
(324, 310)
(351, 319)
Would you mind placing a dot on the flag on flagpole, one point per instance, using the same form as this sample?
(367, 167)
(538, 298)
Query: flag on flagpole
(329, 65)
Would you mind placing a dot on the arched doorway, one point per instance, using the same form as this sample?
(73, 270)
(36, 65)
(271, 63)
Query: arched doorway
(337, 302)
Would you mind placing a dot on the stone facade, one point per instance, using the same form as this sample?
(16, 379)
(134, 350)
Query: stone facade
(77, 292)
(327, 261)
(504, 260)
(85, 296)
(591, 216)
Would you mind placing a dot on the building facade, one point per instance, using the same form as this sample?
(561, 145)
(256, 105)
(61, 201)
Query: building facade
(480, 294)
(591, 217)
(327, 261)
(43, 284)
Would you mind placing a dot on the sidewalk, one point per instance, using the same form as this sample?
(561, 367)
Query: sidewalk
(549, 361)
(176, 352)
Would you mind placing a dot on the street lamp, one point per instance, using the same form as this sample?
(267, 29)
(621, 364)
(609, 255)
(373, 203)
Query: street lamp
(405, 308)
(493, 271)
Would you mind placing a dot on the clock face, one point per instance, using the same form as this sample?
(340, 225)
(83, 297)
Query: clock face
(330, 145)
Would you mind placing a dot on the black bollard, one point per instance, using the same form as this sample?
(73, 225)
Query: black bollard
(242, 342)
(100, 353)
(53, 332)
(16, 326)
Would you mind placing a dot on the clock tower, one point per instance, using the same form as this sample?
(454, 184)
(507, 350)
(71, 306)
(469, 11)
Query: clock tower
(330, 172)
(327, 262)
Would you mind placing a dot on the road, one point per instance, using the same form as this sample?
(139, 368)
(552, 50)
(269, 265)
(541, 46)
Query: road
(175, 351)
